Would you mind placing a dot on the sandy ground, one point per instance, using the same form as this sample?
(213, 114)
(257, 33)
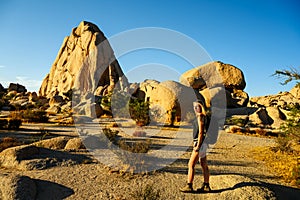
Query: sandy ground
(234, 172)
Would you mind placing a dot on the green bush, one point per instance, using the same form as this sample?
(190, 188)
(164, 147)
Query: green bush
(139, 111)
(290, 131)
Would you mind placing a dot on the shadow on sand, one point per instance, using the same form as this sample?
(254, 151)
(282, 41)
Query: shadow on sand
(49, 190)
(281, 192)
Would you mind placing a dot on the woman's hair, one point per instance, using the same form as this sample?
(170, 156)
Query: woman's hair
(203, 108)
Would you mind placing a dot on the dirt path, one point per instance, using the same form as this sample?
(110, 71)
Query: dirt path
(234, 175)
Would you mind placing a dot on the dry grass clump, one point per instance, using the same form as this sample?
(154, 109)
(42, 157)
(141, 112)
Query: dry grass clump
(34, 115)
(236, 121)
(133, 155)
(8, 142)
(286, 165)
(135, 147)
(147, 192)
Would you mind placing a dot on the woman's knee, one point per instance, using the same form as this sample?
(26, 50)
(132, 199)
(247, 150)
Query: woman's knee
(203, 163)
(191, 164)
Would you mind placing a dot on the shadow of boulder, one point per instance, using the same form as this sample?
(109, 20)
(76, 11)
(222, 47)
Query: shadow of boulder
(13, 186)
(19, 187)
(47, 190)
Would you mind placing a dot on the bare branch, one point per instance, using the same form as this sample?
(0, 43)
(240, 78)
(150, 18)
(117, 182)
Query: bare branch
(290, 75)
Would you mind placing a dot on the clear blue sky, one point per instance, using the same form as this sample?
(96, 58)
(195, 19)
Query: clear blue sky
(256, 36)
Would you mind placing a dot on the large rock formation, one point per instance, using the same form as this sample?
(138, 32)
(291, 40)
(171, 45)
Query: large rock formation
(232, 78)
(72, 56)
(171, 101)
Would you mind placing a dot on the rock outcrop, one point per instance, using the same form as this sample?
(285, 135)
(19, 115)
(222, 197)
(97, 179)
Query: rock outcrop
(269, 111)
(170, 100)
(232, 78)
(16, 87)
(42, 155)
(85, 41)
(282, 100)
(1, 88)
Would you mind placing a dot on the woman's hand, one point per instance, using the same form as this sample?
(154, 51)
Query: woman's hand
(196, 148)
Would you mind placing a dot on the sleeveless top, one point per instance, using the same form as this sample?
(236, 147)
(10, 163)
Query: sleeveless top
(196, 129)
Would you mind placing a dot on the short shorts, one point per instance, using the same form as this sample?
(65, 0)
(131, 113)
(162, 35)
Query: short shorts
(202, 150)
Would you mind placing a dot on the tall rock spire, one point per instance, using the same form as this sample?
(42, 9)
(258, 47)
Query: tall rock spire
(76, 48)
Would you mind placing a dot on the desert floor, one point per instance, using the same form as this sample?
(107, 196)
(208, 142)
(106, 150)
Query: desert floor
(235, 173)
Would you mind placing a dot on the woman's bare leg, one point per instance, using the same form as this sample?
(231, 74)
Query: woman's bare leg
(205, 169)
(192, 162)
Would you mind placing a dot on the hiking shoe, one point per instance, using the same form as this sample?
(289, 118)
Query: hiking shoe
(205, 188)
(187, 188)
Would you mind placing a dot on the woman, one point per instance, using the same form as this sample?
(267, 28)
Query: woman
(199, 150)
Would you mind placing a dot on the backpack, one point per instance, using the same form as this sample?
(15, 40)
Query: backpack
(211, 130)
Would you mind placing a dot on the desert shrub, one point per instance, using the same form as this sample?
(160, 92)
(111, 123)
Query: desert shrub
(133, 155)
(14, 124)
(3, 123)
(235, 121)
(34, 116)
(281, 163)
(283, 143)
(136, 146)
(290, 131)
(295, 175)
(139, 111)
(286, 144)
(147, 192)
(110, 134)
(8, 142)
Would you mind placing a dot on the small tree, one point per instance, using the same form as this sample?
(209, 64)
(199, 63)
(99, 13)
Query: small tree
(291, 129)
(139, 111)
